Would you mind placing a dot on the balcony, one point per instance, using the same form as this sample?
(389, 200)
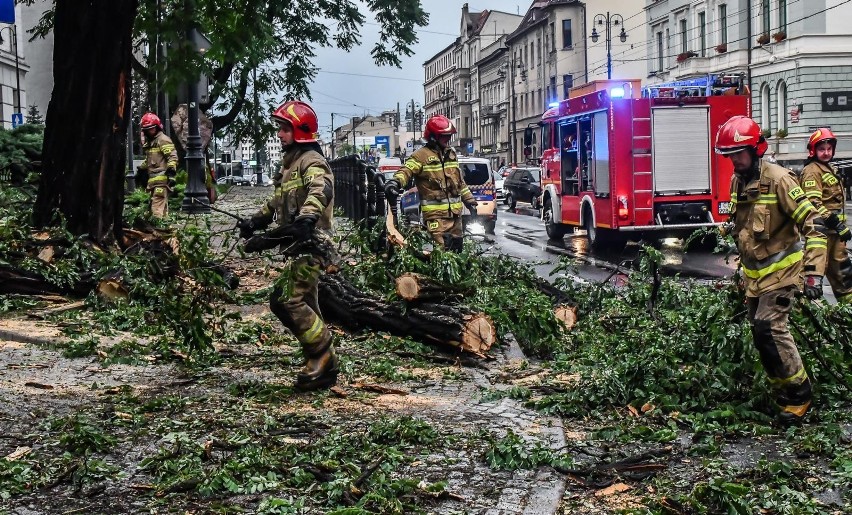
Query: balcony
(490, 112)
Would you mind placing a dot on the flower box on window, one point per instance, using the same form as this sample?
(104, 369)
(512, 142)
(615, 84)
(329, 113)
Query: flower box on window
(763, 39)
(722, 48)
(779, 36)
(683, 56)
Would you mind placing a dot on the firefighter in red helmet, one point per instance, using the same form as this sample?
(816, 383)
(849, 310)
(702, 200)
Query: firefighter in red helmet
(823, 185)
(769, 213)
(302, 206)
(440, 184)
(157, 172)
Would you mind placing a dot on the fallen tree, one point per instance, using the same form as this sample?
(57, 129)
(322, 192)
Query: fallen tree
(343, 304)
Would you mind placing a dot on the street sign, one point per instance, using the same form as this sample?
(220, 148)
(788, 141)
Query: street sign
(17, 119)
(470, 147)
(409, 145)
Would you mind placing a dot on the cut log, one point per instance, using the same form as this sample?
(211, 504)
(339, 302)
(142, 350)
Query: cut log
(567, 315)
(458, 327)
(394, 236)
(411, 287)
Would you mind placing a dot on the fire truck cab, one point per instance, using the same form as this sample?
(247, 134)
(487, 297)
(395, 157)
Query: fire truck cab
(624, 165)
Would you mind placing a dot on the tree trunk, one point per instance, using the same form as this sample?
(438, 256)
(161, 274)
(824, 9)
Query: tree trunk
(86, 125)
(416, 287)
(458, 327)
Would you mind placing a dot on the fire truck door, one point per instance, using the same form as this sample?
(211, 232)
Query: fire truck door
(569, 165)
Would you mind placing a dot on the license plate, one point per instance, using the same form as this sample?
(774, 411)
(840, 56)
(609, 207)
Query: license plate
(724, 208)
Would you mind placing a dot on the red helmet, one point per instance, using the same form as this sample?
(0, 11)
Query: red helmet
(438, 125)
(739, 133)
(302, 117)
(150, 120)
(818, 137)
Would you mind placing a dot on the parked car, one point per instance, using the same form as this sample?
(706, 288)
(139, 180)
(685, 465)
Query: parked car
(265, 180)
(499, 194)
(479, 178)
(235, 180)
(523, 185)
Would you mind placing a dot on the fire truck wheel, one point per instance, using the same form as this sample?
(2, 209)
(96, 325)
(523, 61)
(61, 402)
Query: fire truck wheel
(554, 230)
(602, 238)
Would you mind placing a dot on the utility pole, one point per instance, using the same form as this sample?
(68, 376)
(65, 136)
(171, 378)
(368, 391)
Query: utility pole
(512, 146)
(413, 120)
(332, 135)
(256, 130)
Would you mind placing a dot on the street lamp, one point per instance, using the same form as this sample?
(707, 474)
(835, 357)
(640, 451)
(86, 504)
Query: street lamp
(512, 64)
(13, 33)
(195, 198)
(608, 21)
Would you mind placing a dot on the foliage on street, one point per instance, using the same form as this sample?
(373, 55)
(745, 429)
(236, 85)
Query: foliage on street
(658, 379)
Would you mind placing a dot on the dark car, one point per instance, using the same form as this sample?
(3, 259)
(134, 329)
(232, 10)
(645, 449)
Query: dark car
(236, 180)
(523, 185)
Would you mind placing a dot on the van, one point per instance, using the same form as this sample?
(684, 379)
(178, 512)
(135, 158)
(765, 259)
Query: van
(479, 178)
(388, 166)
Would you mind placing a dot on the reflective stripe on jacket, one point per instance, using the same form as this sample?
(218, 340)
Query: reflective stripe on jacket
(160, 154)
(304, 186)
(440, 182)
(823, 186)
(769, 214)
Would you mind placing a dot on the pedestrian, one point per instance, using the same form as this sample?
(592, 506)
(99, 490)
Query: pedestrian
(848, 183)
(440, 184)
(302, 204)
(823, 185)
(769, 213)
(159, 166)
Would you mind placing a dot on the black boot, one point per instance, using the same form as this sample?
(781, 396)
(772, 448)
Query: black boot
(320, 372)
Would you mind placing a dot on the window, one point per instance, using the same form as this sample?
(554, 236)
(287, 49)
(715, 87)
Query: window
(764, 107)
(782, 15)
(683, 42)
(566, 34)
(782, 106)
(723, 24)
(553, 95)
(545, 136)
(766, 23)
(702, 34)
(659, 51)
(567, 84)
(532, 55)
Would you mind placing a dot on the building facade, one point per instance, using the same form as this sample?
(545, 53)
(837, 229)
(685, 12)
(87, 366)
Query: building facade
(796, 57)
(13, 71)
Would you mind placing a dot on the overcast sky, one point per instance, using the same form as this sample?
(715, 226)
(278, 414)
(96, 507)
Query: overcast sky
(351, 84)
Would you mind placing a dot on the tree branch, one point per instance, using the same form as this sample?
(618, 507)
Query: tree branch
(220, 122)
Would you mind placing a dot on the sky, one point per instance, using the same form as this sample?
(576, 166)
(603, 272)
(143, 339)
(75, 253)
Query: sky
(350, 84)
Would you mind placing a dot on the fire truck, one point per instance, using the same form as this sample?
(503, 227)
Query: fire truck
(626, 165)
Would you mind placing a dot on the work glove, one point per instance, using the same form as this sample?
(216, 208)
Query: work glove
(726, 229)
(392, 188)
(471, 206)
(813, 287)
(171, 173)
(260, 242)
(303, 227)
(141, 178)
(246, 227)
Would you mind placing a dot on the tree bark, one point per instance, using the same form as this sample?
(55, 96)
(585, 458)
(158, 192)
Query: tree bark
(457, 327)
(86, 124)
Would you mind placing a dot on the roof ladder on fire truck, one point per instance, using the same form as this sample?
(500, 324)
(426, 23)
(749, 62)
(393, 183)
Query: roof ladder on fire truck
(643, 179)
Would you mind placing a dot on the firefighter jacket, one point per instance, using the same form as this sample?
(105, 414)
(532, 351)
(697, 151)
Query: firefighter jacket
(160, 155)
(439, 182)
(769, 213)
(823, 186)
(304, 186)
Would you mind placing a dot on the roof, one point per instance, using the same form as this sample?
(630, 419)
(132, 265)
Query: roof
(536, 14)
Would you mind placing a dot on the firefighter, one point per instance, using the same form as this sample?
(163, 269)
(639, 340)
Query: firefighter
(823, 186)
(158, 170)
(440, 184)
(302, 203)
(765, 199)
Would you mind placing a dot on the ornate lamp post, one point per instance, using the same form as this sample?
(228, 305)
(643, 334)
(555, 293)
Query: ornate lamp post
(195, 196)
(608, 21)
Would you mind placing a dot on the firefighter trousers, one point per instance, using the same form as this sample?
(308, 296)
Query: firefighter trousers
(447, 232)
(159, 192)
(768, 316)
(295, 303)
(839, 269)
